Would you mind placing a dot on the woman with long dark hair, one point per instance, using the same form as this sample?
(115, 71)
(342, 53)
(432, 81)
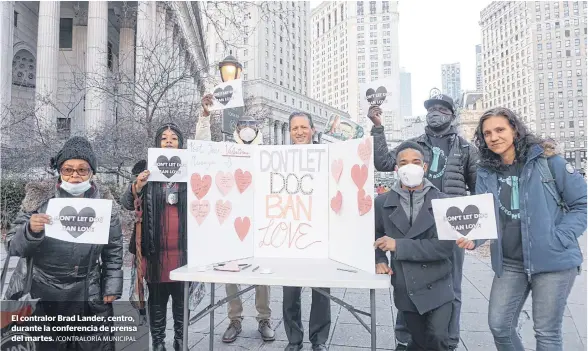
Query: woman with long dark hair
(540, 203)
(163, 241)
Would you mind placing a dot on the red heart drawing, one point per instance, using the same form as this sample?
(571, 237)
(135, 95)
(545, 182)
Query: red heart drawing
(336, 202)
(364, 202)
(337, 169)
(243, 180)
(223, 210)
(242, 227)
(200, 210)
(200, 186)
(224, 182)
(359, 175)
(364, 151)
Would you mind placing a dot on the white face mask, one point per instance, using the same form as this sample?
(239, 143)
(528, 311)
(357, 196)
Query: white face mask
(247, 134)
(411, 175)
(76, 189)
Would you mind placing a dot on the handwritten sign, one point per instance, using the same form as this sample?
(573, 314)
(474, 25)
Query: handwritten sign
(220, 200)
(351, 198)
(376, 93)
(228, 95)
(167, 165)
(290, 201)
(79, 220)
(468, 216)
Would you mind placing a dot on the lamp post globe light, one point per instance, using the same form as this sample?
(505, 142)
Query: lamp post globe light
(230, 69)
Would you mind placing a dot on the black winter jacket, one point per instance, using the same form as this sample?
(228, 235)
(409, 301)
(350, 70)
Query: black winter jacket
(61, 269)
(460, 175)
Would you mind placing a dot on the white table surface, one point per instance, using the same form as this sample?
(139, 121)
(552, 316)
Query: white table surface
(322, 273)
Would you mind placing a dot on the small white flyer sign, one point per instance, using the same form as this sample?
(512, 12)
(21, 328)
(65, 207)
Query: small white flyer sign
(228, 95)
(168, 165)
(79, 220)
(472, 217)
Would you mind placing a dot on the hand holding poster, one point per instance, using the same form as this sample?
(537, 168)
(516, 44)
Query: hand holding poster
(472, 217)
(79, 220)
(342, 128)
(167, 165)
(376, 93)
(228, 95)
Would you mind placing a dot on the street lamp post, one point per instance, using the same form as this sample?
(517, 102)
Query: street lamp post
(230, 69)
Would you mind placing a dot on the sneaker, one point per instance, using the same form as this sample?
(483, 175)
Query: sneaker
(232, 331)
(266, 331)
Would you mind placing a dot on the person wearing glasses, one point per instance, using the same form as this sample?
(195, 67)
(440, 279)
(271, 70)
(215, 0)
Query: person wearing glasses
(70, 279)
(452, 169)
(246, 132)
(163, 241)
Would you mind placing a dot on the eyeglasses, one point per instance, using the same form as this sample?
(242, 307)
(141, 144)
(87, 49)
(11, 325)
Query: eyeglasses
(70, 171)
(444, 110)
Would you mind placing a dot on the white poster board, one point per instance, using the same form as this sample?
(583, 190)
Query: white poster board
(167, 165)
(378, 92)
(220, 202)
(351, 199)
(79, 220)
(227, 95)
(291, 197)
(466, 216)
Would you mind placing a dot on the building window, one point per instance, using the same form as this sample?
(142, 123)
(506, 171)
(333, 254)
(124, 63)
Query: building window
(360, 8)
(15, 19)
(63, 127)
(110, 59)
(23, 69)
(65, 33)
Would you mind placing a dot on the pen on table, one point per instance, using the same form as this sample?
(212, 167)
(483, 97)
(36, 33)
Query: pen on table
(346, 270)
(256, 268)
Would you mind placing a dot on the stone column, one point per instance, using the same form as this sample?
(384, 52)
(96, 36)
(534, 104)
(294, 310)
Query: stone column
(80, 36)
(6, 44)
(126, 61)
(96, 65)
(287, 135)
(279, 133)
(47, 63)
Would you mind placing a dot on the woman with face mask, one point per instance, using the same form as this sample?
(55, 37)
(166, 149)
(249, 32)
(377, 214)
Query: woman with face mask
(163, 240)
(540, 204)
(69, 278)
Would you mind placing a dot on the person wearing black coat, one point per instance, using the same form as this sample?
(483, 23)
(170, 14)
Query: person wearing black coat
(421, 270)
(70, 279)
(452, 169)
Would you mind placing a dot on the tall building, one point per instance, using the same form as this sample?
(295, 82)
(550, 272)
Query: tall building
(405, 93)
(471, 108)
(414, 126)
(354, 42)
(451, 80)
(272, 43)
(534, 62)
(479, 76)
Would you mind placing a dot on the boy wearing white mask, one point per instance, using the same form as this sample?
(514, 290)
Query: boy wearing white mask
(421, 269)
(246, 132)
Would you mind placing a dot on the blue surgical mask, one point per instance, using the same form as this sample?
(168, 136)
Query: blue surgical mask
(75, 189)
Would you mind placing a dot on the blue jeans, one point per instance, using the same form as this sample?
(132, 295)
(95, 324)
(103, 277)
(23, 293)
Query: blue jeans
(549, 293)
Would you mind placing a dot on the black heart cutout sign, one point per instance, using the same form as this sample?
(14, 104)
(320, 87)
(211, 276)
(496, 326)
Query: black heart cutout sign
(77, 223)
(464, 221)
(223, 95)
(376, 97)
(170, 167)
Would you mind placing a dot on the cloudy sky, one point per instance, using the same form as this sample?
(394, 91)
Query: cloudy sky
(432, 33)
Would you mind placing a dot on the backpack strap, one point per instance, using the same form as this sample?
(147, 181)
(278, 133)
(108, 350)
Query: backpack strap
(548, 179)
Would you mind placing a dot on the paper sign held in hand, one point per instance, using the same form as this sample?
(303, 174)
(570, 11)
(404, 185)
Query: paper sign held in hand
(228, 95)
(472, 217)
(79, 220)
(167, 165)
